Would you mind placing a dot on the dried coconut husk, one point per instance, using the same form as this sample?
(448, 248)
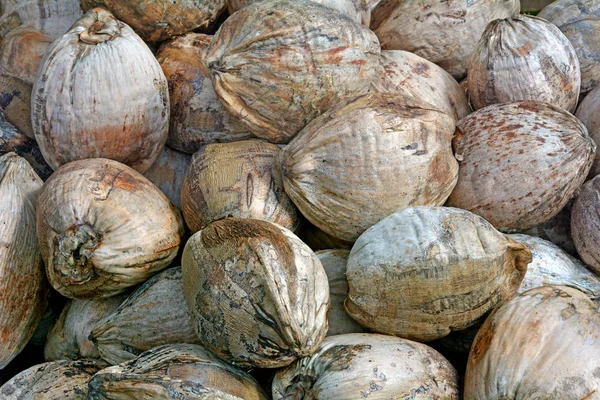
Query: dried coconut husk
(407, 73)
(22, 52)
(103, 227)
(168, 171)
(239, 180)
(367, 158)
(197, 115)
(278, 64)
(542, 344)
(15, 102)
(443, 32)
(258, 296)
(23, 286)
(520, 163)
(585, 221)
(466, 266)
(370, 366)
(154, 315)
(182, 371)
(524, 58)
(587, 112)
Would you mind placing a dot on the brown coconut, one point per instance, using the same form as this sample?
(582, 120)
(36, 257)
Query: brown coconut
(15, 102)
(168, 171)
(277, 64)
(524, 58)
(100, 93)
(237, 179)
(587, 112)
(22, 52)
(367, 158)
(520, 163)
(585, 221)
(426, 271)
(443, 32)
(103, 227)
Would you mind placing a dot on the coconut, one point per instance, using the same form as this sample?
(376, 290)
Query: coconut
(75, 114)
(277, 64)
(524, 58)
(557, 230)
(22, 52)
(443, 32)
(367, 158)
(54, 17)
(236, 179)
(168, 171)
(520, 163)
(103, 227)
(584, 224)
(587, 113)
(258, 296)
(15, 102)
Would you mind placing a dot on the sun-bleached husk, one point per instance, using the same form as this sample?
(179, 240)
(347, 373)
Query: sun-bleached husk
(168, 171)
(316, 239)
(53, 17)
(367, 158)
(197, 115)
(23, 285)
(542, 344)
(237, 179)
(334, 262)
(585, 223)
(443, 32)
(22, 52)
(377, 367)
(154, 315)
(520, 163)
(407, 73)
(15, 102)
(182, 371)
(587, 112)
(524, 58)
(557, 230)
(257, 295)
(100, 92)
(466, 266)
(69, 337)
(103, 227)
(277, 64)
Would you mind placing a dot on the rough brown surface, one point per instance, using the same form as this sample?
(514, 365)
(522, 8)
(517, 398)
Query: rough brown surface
(168, 171)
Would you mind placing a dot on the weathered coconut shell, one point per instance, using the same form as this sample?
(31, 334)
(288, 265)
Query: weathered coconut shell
(236, 179)
(316, 239)
(376, 367)
(23, 285)
(154, 315)
(197, 115)
(15, 102)
(168, 171)
(65, 380)
(585, 221)
(524, 58)
(409, 74)
(258, 296)
(542, 344)
(579, 20)
(334, 262)
(557, 230)
(587, 112)
(367, 158)
(520, 163)
(182, 371)
(53, 17)
(277, 64)
(443, 32)
(462, 266)
(100, 93)
(68, 338)
(22, 52)
(103, 227)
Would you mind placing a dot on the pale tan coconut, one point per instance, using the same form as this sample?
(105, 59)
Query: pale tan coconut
(461, 265)
(377, 367)
(22, 52)
(153, 315)
(103, 227)
(524, 58)
(277, 64)
(407, 73)
(443, 32)
(53, 17)
(585, 221)
(542, 344)
(15, 102)
(197, 115)
(100, 93)
(182, 371)
(587, 112)
(237, 179)
(258, 296)
(520, 163)
(168, 171)
(23, 285)
(367, 158)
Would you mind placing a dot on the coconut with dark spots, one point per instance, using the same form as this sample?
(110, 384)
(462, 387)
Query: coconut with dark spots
(587, 112)
(542, 344)
(258, 296)
(377, 367)
(585, 221)
(103, 227)
(520, 163)
(22, 52)
(524, 58)
(168, 171)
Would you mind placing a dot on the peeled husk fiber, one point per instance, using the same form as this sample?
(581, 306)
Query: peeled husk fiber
(585, 221)
(22, 52)
(168, 171)
(257, 295)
